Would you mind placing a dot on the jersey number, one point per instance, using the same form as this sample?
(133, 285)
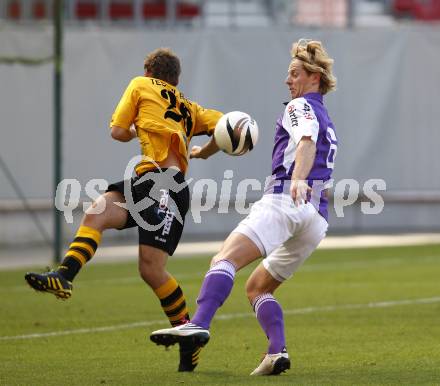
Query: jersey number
(331, 136)
(177, 113)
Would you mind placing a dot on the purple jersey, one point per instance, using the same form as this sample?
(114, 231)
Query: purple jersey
(305, 117)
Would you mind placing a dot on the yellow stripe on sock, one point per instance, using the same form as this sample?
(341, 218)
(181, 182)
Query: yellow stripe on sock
(179, 316)
(86, 246)
(85, 231)
(175, 305)
(82, 260)
(166, 289)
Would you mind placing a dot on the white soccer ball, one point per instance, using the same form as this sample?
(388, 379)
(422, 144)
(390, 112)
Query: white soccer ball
(236, 133)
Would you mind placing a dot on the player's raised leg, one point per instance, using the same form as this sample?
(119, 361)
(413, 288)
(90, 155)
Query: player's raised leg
(83, 246)
(237, 252)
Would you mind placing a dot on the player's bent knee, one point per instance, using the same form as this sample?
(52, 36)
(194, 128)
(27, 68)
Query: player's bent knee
(94, 221)
(97, 212)
(105, 214)
(100, 222)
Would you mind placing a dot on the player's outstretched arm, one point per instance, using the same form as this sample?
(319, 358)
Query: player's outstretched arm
(304, 159)
(205, 151)
(123, 135)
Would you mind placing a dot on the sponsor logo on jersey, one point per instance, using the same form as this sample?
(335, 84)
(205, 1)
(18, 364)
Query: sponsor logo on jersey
(293, 117)
(307, 112)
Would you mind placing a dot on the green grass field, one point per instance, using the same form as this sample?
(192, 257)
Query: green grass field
(353, 317)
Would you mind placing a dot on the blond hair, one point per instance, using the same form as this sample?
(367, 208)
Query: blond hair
(315, 59)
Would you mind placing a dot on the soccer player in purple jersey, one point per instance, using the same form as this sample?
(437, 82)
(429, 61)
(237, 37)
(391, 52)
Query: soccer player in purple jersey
(286, 225)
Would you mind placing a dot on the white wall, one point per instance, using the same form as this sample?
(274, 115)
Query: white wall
(385, 108)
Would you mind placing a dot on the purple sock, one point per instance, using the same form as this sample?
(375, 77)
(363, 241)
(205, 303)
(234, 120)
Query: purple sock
(215, 289)
(270, 316)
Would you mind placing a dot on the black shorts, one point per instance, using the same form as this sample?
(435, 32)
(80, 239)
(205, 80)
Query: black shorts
(158, 204)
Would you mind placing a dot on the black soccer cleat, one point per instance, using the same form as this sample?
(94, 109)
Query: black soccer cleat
(52, 282)
(189, 355)
(281, 365)
(191, 339)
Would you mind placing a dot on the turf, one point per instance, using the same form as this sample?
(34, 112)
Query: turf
(333, 337)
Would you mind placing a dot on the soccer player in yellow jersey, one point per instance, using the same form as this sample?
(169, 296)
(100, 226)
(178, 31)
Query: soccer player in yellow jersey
(157, 198)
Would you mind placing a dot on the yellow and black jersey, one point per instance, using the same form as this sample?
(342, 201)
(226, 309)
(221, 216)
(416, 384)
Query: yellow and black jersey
(163, 118)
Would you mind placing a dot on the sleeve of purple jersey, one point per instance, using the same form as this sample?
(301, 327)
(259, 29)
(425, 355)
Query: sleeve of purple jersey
(300, 120)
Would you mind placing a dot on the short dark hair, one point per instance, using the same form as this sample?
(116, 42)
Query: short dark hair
(163, 64)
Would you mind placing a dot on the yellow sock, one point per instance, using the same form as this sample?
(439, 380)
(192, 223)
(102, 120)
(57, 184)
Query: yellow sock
(173, 302)
(81, 250)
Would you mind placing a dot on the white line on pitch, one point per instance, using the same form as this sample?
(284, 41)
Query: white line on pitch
(299, 311)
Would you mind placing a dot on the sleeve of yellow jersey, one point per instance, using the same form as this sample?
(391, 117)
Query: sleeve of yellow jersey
(126, 110)
(205, 121)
